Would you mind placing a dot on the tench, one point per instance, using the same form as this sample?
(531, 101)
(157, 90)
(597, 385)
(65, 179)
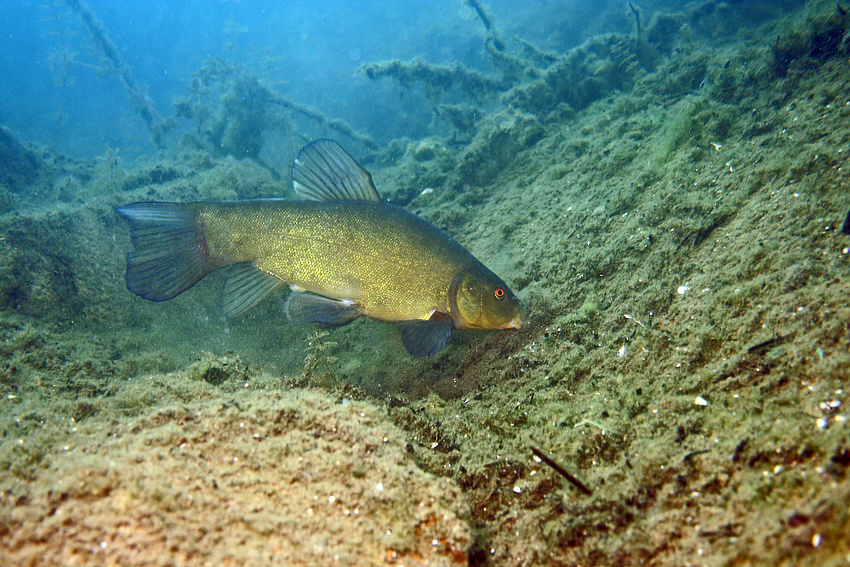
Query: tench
(344, 252)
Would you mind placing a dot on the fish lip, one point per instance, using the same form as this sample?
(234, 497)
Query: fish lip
(514, 323)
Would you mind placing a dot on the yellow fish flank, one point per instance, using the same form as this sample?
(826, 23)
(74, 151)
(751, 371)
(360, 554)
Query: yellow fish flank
(345, 253)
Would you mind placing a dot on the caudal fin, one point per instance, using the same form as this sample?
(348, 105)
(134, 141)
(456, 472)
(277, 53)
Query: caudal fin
(170, 252)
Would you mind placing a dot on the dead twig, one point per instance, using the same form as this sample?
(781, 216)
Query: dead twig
(561, 471)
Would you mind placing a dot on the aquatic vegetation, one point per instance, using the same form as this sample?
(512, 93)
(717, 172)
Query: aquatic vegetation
(231, 111)
(317, 372)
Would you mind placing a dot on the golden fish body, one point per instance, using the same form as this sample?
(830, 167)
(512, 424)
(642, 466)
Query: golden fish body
(396, 266)
(353, 254)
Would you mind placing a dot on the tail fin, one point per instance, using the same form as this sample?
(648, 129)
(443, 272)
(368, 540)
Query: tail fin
(170, 251)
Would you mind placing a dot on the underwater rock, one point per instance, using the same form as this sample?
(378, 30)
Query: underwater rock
(426, 150)
(19, 167)
(216, 370)
(40, 272)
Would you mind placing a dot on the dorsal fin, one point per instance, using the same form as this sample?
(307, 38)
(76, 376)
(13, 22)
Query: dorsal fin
(323, 171)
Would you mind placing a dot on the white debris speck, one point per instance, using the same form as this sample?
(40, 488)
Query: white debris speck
(622, 351)
(816, 540)
(700, 401)
(379, 487)
(822, 423)
(517, 489)
(683, 289)
(426, 191)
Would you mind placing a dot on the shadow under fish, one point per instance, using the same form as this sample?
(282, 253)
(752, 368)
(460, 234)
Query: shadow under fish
(344, 252)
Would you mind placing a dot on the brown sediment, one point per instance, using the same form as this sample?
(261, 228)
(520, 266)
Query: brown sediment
(297, 479)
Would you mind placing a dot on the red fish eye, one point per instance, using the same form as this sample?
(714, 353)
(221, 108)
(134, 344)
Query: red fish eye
(499, 293)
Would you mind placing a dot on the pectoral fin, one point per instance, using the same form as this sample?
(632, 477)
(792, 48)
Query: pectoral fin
(304, 307)
(428, 337)
(245, 287)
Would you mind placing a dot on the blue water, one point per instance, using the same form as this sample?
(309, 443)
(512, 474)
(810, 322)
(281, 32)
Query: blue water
(55, 94)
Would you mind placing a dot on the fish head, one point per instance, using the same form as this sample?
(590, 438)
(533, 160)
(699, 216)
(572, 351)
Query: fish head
(479, 299)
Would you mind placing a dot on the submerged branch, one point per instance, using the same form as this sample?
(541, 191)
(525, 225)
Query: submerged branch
(487, 19)
(144, 105)
(435, 77)
(335, 124)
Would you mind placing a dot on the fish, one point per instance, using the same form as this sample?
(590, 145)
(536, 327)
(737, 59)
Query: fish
(344, 252)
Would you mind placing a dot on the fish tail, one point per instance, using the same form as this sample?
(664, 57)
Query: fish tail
(170, 250)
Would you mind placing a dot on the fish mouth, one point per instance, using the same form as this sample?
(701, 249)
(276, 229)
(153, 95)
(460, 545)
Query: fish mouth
(514, 323)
